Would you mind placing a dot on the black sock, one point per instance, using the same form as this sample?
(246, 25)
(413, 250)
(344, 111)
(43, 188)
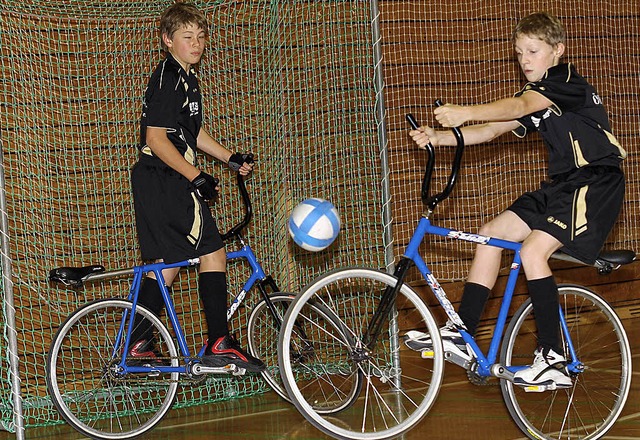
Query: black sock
(213, 294)
(544, 297)
(149, 296)
(474, 297)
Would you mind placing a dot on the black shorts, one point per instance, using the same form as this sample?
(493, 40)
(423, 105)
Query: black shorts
(173, 223)
(579, 209)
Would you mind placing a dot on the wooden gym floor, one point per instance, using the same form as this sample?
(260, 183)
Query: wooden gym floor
(462, 411)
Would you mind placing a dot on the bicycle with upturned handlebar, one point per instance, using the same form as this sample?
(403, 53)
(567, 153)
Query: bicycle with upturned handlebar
(106, 395)
(376, 309)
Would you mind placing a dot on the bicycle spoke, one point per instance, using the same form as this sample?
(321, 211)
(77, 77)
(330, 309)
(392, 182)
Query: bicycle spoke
(84, 385)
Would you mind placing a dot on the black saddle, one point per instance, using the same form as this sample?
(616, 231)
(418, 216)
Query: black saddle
(73, 276)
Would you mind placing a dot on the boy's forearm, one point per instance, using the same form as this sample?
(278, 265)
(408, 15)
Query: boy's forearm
(212, 147)
(509, 109)
(506, 109)
(477, 134)
(167, 152)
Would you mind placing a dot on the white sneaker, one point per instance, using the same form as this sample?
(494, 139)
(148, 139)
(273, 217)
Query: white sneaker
(452, 342)
(548, 369)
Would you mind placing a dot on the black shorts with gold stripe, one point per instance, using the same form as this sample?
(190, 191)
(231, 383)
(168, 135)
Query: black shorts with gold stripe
(173, 223)
(578, 208)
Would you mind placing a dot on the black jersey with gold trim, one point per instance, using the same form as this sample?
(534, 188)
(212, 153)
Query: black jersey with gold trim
(576, 128)
(173, 101)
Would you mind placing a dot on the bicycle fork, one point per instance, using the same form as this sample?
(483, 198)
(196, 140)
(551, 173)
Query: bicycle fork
(386, 306)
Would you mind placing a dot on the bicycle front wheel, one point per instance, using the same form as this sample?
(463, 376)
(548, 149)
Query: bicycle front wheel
(263, 330)
(84, 380)
(591, 406)
(399, 386)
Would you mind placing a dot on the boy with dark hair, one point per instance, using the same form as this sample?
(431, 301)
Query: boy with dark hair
(574, 211)
(171, 193)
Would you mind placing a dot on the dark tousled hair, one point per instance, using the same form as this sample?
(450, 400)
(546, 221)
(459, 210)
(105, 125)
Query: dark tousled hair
(178, 15)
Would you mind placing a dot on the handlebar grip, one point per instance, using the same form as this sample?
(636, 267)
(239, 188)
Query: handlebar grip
(412, 121)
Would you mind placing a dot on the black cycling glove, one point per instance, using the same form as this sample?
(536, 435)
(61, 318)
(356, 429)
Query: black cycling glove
(237, 159)
(205, 186)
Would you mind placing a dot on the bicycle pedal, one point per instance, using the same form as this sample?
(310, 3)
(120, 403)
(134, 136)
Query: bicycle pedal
(239, 371)
(537, 388)
(543, 388)
(234, 370)
(427, 354)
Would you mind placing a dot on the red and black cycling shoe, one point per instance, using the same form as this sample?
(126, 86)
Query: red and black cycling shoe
(226, 350)
(142, 353)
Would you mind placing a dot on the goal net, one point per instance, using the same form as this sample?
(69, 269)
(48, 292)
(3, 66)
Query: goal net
(291, 82)
(298, 83)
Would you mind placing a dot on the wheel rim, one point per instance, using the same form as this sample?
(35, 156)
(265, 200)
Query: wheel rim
(81, 379)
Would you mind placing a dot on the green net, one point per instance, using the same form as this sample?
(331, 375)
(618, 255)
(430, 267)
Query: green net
(289, 81)
(295, 83)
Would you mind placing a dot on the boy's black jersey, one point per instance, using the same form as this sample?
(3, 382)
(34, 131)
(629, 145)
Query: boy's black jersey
(576, 127)
(173, 101)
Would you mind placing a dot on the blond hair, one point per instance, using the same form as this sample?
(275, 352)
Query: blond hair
(541, 25)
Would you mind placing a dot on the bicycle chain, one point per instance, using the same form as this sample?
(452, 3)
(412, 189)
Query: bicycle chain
(136, 377)
(478, 380)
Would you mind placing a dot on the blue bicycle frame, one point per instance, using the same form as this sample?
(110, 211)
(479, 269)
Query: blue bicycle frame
(412, 256)
(484, 362)
(257, 274)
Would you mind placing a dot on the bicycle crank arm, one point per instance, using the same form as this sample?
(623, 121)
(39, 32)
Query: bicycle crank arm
(449, 356)
(501, 372)
(199, 369)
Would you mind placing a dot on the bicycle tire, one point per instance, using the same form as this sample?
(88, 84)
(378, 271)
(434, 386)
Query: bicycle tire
(83, 383)
(591, 406)
(263, 333)
(399, 386)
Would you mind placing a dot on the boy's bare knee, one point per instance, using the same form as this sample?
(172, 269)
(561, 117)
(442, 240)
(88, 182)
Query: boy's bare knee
(214, 262)
(534, 261)
(487, 230)
(529, 253)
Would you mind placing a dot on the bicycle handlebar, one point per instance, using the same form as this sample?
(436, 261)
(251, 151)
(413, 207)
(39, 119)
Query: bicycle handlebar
(235, 230)
(432, 201)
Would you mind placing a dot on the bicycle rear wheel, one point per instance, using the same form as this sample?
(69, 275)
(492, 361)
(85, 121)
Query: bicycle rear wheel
(263, 331)
(83, 378)
(591, 406)
(399, 386)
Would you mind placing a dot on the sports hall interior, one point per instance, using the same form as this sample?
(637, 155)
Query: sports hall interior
(318, 91)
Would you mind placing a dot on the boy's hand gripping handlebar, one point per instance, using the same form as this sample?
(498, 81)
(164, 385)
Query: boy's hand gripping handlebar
(432, 201)
(237, 229)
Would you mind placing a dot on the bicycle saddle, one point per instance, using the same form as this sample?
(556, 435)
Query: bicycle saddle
(607, 261)
(73, 276)
(617, 257)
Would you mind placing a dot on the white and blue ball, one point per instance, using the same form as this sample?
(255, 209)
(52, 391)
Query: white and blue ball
(314, 224)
